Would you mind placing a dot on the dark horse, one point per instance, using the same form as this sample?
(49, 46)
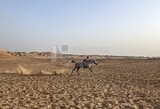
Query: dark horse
(83, 64)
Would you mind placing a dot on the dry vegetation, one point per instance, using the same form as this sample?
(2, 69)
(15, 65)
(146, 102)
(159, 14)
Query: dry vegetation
(117, 84)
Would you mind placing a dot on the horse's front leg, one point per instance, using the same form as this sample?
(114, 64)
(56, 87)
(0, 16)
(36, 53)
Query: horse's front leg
(91, 70)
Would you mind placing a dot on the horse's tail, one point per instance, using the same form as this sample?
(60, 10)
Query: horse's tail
(72, 61)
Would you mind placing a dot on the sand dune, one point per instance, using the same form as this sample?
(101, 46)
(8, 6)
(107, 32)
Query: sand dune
(4, 54)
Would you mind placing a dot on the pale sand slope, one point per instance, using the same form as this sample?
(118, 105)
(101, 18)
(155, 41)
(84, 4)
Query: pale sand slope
(4, 54)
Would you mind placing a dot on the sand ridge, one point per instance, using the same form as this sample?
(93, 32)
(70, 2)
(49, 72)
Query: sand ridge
(4, 54)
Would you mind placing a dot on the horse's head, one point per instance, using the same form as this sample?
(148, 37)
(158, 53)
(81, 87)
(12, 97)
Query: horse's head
(93, 61)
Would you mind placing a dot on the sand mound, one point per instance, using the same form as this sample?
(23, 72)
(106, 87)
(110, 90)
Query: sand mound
(4, 54)
(46, 73)
(36, 72)
(10, 72)
(59, 72)
(21, 70)
(40, 72)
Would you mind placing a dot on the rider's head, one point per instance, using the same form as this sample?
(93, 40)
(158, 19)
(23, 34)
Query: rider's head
(87, 57)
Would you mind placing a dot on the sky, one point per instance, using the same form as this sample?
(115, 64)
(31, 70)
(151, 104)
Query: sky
(118, 27)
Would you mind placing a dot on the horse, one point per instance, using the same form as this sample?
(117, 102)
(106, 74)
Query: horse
(86, 64)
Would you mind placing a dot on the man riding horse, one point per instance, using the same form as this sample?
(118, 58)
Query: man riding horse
(86, 63)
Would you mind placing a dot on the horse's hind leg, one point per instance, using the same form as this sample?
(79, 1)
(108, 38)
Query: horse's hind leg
(73, 70)
(91, 70)
(78, 70)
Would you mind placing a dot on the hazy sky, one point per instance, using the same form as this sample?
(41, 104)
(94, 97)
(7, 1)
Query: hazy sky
(124, 27)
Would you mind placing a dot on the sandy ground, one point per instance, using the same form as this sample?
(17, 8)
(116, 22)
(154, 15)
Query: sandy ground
(117, 84)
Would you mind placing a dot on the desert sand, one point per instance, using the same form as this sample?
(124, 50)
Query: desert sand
(117, 84)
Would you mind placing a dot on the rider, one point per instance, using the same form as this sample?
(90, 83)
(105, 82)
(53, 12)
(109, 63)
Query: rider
(85, 61)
